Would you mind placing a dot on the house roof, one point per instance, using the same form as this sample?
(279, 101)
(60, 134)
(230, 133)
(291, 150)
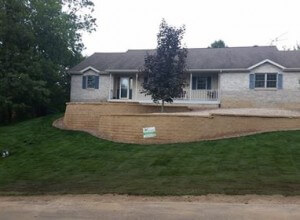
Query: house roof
(197, 58)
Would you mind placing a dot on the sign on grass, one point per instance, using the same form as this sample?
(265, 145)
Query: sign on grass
(149, 132)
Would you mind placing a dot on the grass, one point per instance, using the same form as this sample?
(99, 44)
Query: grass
(46, 160)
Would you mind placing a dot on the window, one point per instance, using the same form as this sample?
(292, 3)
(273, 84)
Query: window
(271, 80)
(91, 82)
(201, 83)
(259, 80)
(266, 80)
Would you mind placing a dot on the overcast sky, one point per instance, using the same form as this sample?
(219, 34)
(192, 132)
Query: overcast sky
(133, 24)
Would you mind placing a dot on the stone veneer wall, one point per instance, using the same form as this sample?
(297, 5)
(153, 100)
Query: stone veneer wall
(179, 128)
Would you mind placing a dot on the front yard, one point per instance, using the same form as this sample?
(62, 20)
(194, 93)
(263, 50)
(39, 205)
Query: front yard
(48, 160)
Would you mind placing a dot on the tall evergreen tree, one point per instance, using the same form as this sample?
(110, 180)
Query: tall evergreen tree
(164, 70)
(39, 41)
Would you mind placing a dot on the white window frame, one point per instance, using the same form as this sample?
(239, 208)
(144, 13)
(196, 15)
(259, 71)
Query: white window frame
(266, 81)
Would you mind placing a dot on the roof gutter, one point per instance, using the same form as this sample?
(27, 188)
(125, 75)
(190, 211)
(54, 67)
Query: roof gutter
(81, 73)
(188, 70)
(107, 71)
(218, 70)
(74, 72)
(122, 71)
(291, 70)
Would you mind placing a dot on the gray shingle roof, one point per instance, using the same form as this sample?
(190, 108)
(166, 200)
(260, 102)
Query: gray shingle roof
(198, 58)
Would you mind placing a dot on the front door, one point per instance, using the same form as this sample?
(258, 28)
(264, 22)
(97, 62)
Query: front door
(124, 87)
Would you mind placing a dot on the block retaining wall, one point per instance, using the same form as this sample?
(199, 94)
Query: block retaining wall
(176, 129)
(122, 122)
(85, 116)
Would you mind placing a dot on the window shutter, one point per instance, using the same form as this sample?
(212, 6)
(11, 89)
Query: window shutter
(208, 83)
(280, 81)
(251, 81)
(194, 82)
(84, 82)
(96, 82)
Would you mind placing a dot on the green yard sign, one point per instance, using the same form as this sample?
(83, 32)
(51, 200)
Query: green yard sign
(149, 132)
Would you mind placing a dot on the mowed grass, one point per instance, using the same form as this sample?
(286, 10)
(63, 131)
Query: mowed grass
(46, 160)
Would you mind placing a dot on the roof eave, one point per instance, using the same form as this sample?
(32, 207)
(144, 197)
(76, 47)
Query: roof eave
(188, 70)
(122, 70)
(218, 70)
(292, 69)
(138, 71)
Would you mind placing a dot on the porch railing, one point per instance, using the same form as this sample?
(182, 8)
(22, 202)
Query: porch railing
(200, 95)
(194, 95)
(205, 95)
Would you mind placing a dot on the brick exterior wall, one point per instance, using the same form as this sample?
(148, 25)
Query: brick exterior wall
(235, 90)
(175, 129)
(78, 94)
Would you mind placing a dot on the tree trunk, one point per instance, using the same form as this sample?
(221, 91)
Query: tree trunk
(162, 105)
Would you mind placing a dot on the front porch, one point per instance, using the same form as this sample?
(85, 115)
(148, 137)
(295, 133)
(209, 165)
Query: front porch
(200, 88)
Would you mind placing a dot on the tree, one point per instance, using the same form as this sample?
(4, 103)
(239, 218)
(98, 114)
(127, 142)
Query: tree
(39, 41)
(164, 70)
(218, 44)
(297, 47)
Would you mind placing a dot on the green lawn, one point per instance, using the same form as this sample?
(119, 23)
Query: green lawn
(48, 160)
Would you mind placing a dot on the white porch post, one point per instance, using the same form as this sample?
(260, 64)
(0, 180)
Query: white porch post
(109, 87)
(191, 84)
(136, 87)
(218, 93)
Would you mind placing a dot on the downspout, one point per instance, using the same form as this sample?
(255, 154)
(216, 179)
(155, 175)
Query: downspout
(136, 85)
(109, 98)
(191, 78)
(219, 90)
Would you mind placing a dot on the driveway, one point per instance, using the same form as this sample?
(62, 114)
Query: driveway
(138, 207)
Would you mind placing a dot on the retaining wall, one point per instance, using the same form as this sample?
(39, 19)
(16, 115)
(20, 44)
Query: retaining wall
(123, 122)
(85, 116)
(173, 129)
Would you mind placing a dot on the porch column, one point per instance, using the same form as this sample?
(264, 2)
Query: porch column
(191, 84)
(109, 94)
(136, 87)
(218, 92)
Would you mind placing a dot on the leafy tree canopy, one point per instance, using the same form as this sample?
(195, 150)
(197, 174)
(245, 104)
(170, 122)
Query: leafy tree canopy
(218, 44)
(39, 41)
(164, 70)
